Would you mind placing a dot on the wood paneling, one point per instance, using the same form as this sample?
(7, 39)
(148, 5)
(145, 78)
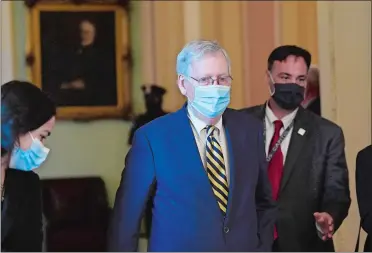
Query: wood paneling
(249, 30)
(345, 67)
(169, 40)
(298, 25)
(260, 41)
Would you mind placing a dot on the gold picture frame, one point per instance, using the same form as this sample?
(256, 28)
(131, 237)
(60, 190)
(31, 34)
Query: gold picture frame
(68, 104)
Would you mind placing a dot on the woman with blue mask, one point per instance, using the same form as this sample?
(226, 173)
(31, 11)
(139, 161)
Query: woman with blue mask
(27, 119)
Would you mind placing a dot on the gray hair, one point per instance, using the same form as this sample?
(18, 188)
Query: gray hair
(195, 50)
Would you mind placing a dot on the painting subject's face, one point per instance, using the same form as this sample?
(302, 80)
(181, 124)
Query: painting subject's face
(87, 33)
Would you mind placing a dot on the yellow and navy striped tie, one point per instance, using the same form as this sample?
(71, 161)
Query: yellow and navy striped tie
(216, 169)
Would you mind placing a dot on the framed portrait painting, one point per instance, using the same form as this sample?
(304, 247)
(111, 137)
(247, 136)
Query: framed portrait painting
(79, 58)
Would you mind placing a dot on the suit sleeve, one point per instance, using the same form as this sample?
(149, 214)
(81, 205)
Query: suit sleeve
(336, 198)
(266, 208)
(364, 190)
(137, 179)
(29, 235)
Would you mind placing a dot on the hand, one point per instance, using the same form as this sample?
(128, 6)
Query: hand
(325, 223)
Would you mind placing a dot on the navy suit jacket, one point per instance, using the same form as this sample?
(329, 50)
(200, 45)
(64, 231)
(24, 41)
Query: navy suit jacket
(165, 160)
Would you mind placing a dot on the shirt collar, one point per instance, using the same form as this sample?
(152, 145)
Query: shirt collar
(198, 124)
(270, 116)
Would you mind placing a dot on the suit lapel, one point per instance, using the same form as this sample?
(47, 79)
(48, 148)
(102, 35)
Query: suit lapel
(230, 149)
(296, 143)
(194, 163)
(187, 137)
(234, 140)
(300, 134)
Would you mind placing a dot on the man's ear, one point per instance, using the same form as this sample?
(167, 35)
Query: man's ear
(267, 75)
(270, 83)
(181, 84)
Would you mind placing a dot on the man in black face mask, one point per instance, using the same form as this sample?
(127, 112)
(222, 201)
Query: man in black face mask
(306, 159)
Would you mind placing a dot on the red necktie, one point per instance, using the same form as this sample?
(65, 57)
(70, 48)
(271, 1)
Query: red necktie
(276, 165)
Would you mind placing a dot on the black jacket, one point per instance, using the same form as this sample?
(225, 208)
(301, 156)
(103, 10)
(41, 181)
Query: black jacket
(363, 179)
(21, 214)
(315, 179)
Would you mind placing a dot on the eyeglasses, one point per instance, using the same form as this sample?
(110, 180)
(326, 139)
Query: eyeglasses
(221, 80)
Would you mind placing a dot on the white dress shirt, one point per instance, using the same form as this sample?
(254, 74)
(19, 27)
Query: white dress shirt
(200, 134)
(270, 128)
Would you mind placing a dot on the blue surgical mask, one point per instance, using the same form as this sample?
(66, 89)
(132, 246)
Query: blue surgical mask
(211, 100)
(29, 159)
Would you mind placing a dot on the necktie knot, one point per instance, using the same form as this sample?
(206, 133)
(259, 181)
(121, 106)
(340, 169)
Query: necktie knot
(210, 130)
(278, 124)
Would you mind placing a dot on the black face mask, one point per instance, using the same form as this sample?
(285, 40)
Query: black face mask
(288, 95)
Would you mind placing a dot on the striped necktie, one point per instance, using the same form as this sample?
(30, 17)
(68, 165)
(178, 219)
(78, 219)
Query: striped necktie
(216, 169)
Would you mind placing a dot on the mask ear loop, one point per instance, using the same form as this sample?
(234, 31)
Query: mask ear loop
(272, 82)
(32, 137)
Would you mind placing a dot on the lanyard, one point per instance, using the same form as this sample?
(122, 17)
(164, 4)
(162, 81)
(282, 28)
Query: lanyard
(2, 193)
(277, 144)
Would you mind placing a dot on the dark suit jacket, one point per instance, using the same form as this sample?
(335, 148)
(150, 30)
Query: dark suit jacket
(364, 192)
(21, 215)
(315, 179)
(186, 216)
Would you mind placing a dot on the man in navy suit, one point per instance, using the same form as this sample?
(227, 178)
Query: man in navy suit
(204, 165)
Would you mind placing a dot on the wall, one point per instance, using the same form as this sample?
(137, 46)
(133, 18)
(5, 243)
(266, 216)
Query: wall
(345, 63)
(168, 25)
(7, 71)
(77, 149)
(299, 26)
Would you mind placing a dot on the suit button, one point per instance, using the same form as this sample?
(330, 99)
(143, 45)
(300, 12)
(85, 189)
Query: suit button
(226, 229)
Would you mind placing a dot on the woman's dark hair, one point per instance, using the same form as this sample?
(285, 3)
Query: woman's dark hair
(24, 108)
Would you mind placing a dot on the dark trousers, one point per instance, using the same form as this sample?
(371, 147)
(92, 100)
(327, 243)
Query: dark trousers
(275, 246)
